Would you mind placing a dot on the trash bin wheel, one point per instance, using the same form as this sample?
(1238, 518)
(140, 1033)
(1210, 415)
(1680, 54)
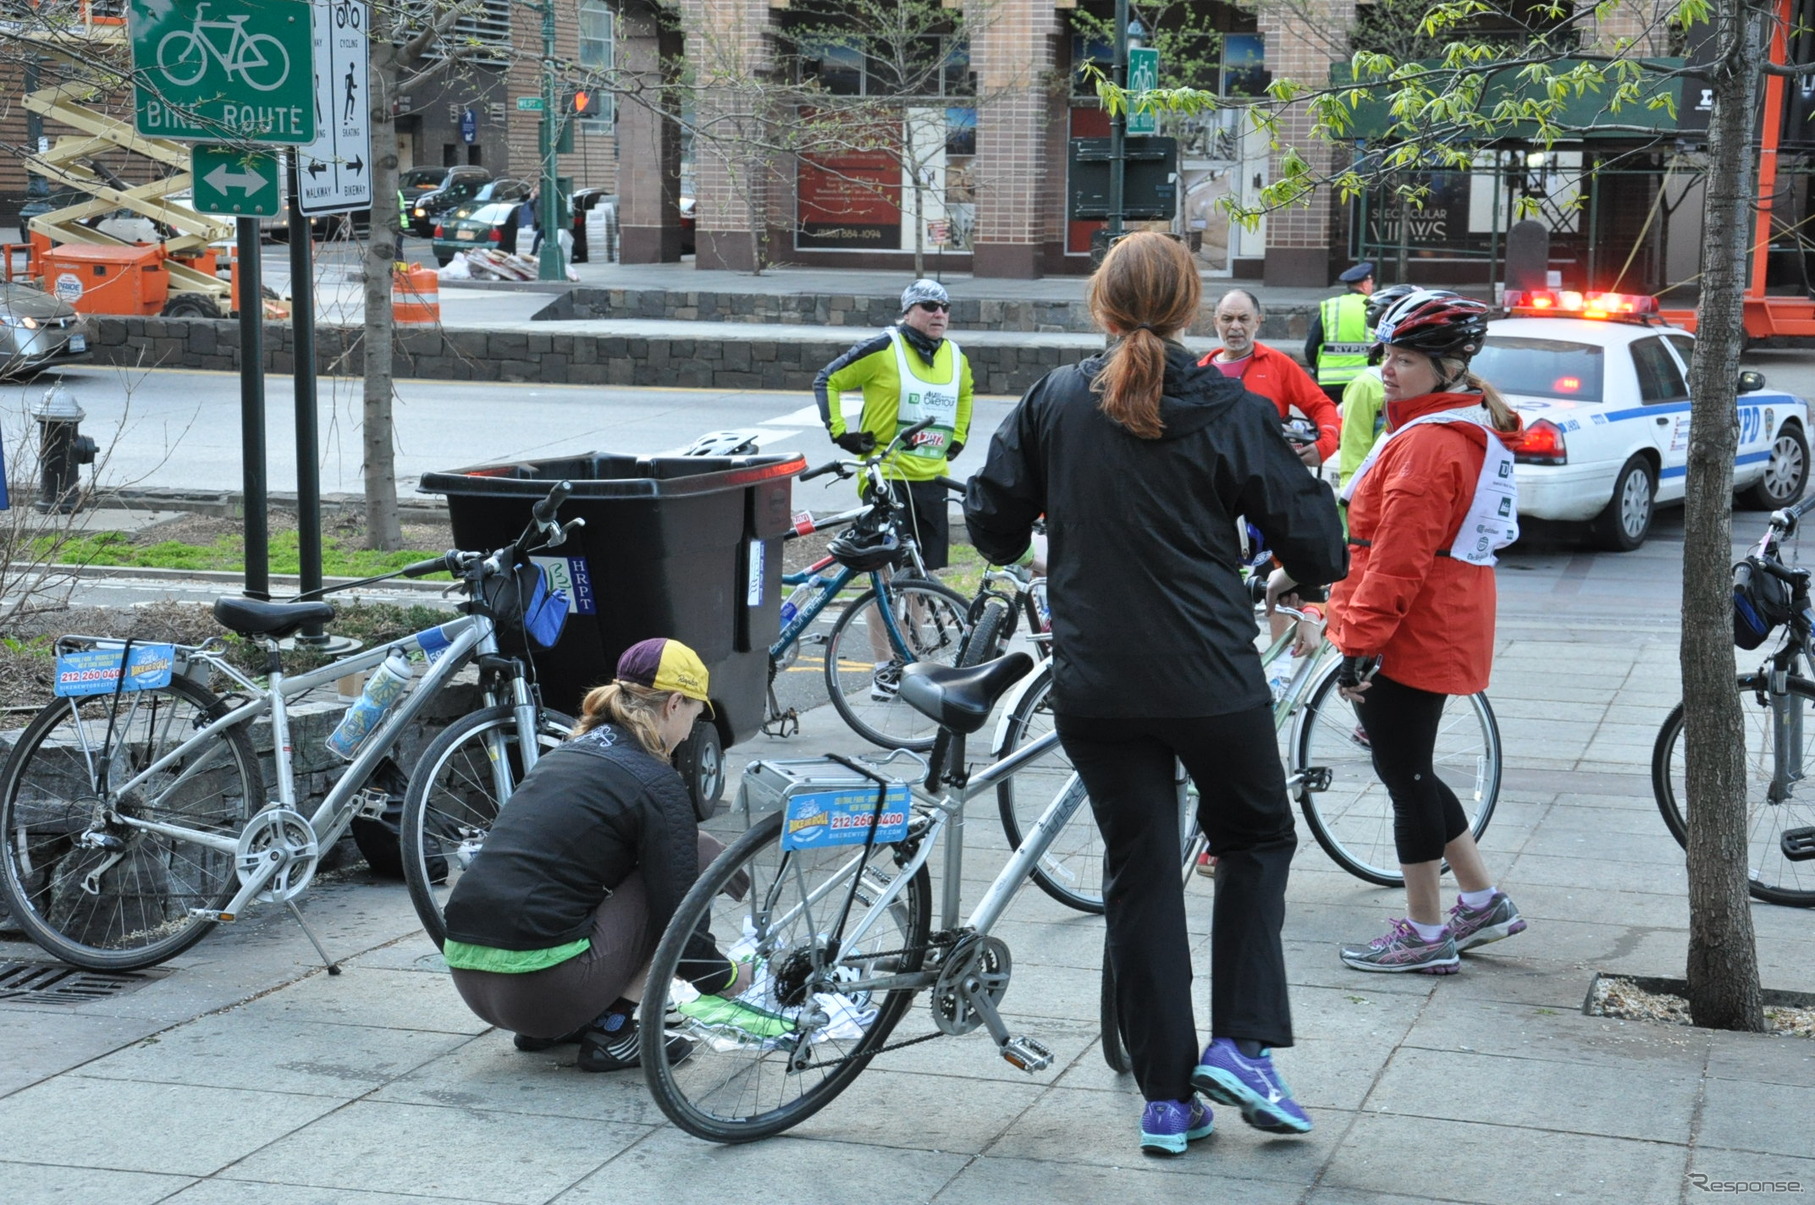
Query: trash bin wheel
(701, 761)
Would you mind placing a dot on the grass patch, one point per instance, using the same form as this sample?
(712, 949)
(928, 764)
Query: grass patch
(226, 553)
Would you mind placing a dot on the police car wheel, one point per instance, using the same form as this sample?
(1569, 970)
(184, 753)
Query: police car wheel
(1626, 522)
(1786, 473)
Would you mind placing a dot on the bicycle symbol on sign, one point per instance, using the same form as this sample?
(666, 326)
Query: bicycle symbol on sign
(344, 15)
(258, 59)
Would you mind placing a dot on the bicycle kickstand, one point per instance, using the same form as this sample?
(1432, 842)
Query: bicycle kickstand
(333, 967)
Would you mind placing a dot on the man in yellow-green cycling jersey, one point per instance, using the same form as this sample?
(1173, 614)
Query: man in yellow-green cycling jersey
(908, 372)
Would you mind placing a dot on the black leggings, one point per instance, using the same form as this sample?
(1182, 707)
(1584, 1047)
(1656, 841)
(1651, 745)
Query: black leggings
(1401, 723)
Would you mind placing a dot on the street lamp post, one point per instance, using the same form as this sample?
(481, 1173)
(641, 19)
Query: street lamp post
(550, 264)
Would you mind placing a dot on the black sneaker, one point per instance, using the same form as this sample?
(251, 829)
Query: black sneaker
(530, 1045)
(617, 1044)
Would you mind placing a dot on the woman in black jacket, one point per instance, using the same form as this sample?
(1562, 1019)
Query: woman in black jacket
(550, 930)
(1141, 461)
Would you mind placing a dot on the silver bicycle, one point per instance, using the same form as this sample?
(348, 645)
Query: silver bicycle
(135, 819)
(840, 936)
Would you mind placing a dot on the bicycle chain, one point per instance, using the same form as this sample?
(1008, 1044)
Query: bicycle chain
(943, 941)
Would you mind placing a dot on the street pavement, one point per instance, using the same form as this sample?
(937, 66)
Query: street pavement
(242, 1072)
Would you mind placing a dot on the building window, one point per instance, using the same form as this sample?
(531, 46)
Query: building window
(598, 48)
(930, 65)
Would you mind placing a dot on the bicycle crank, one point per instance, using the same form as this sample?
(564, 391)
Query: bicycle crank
(279, 846)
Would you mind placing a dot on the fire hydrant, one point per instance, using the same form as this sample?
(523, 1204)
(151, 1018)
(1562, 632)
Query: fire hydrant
(61, 451)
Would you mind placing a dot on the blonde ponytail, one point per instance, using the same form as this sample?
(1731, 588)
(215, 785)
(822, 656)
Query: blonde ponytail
(636, 709)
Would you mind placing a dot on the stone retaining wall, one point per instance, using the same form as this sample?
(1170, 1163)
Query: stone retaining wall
(705, 362)
(1285, 324)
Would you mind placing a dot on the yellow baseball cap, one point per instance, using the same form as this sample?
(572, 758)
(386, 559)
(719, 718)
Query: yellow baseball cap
(663, 664)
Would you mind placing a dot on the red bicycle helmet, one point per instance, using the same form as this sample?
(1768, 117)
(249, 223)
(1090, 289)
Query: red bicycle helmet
(1435, 322)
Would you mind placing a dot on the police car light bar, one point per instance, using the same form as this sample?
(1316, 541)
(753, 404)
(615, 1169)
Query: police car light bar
(1580, 305)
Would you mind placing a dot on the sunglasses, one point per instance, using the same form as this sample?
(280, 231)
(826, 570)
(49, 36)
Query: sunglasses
(934, 307)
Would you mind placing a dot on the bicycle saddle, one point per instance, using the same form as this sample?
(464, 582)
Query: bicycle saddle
(251, 617)
(961, 699)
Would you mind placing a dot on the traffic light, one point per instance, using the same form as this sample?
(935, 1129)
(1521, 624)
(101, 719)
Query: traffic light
(585, 102)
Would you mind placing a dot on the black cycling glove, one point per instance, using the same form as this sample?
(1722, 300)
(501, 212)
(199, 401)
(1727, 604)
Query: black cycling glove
(951, 452)
(1355, 670)
(857, 443)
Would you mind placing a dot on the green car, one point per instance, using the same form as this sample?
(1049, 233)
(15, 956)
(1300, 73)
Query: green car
(493, 225)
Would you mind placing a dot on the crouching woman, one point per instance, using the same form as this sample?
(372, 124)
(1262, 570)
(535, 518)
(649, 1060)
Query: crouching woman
(551, 929)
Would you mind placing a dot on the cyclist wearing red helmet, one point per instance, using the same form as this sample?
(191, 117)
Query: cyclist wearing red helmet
(1428, 507)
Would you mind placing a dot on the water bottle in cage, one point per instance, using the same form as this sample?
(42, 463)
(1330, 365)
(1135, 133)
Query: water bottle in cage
(382, 689)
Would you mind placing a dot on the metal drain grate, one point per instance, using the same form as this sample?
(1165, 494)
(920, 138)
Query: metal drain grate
(56, 983)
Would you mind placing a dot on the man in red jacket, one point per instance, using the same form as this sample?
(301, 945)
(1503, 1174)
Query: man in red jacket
(1272, 374)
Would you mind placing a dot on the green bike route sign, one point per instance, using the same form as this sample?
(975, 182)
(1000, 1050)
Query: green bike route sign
(223, 70)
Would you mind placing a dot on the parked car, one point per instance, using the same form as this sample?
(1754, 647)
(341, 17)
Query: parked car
(1602, 384)
(428, 193)
(491, 225)
(38, 331)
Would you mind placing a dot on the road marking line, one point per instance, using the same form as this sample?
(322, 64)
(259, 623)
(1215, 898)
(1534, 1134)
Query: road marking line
(806, 414)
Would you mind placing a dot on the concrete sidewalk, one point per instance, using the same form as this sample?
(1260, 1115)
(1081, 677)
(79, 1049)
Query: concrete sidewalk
(241, 1072)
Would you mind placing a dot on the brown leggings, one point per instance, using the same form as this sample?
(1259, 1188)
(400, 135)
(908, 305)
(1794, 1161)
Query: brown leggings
(563, 998)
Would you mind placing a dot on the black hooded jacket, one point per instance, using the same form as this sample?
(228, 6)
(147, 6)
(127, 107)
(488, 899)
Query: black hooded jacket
(1150, 614)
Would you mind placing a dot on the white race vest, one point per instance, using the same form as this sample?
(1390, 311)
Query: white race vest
(920, 399)
(1492, 521)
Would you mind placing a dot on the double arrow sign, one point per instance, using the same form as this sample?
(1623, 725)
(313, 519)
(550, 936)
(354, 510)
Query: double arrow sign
(236, 183)
(317, 167)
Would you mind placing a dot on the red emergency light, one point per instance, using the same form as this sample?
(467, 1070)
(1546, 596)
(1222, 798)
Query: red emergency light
(1631, 307)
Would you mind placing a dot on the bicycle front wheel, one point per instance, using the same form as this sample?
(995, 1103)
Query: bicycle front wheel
(460, 784)
(818, 925)
(1770, 812)
(1351, 815)
(864, 660)
(81, 879)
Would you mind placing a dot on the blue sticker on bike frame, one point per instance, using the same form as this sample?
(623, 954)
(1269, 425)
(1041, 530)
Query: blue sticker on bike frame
(842, 817)
(97, 671)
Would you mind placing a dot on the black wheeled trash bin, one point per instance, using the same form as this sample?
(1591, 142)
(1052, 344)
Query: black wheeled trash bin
(681, 546)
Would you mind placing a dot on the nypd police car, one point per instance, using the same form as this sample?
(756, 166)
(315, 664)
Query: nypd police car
(1602, 386)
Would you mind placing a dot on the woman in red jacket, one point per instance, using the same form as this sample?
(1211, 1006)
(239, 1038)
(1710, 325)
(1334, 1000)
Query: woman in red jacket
(1415, 617)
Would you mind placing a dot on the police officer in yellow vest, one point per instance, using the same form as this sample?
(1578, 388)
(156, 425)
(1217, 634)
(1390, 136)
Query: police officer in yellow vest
(908, 372)
(1336, 347)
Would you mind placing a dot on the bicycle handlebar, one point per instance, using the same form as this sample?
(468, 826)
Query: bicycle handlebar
(544, 511)
(832, 466)
(957, 487)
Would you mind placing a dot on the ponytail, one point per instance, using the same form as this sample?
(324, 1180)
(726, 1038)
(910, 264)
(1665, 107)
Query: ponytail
(1146, 291)
(636, 709)
(1453, 374)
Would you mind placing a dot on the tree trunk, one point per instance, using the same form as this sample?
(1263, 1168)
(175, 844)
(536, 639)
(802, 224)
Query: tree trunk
(1723, 957)
(383, 528)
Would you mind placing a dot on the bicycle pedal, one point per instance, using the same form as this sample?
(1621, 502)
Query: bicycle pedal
(1798, 844)
(1029, 1054)
(370, 805)
(1315, 778)
(213, 914)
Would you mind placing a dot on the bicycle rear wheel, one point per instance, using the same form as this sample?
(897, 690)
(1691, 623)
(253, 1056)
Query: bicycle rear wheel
(812, 920)
(84, 883)
(1071, 869)
(460, 784)
(988, 636)
(1352, 817)
(930, 619)
(1772, 877)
